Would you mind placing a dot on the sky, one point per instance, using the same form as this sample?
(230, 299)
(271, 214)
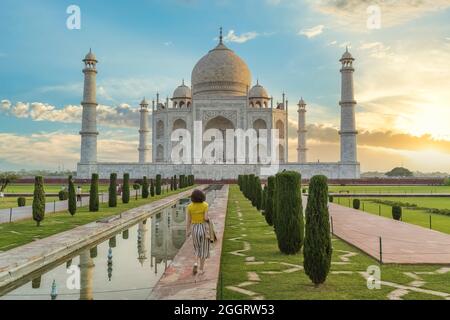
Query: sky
(402, 77)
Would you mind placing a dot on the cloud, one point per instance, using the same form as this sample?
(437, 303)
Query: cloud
(122, 115)
(353, 13)
(244, 37)
(33, 151)
(312, 32)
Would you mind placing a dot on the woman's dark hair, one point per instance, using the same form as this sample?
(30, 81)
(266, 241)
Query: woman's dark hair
(198, 196)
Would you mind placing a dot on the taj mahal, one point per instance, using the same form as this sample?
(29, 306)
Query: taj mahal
(221, 97)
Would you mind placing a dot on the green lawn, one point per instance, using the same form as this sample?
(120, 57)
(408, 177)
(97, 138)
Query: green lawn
(417, 217)
(19, 233)
(49, 188)
(279, 285)
(391, 189)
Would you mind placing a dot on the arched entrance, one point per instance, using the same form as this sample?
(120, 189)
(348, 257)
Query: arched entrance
(222, 124)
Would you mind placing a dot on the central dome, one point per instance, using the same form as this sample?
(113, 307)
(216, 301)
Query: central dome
(221, 72)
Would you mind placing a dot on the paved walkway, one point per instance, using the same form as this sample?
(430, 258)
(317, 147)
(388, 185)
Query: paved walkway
(390, 195)
(178, 283)
(21, 213)
(400, 242)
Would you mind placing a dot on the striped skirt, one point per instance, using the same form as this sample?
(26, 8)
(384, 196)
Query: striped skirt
(201, 243)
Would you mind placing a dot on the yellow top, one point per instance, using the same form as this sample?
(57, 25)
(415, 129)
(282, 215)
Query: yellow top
(197, 212)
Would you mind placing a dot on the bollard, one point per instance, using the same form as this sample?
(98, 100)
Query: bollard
(379, 210)
(54, 206)
(381, 251)
(430, 222)
(10, 215)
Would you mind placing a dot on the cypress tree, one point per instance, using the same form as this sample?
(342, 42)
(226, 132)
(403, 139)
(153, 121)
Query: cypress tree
(240, 182)
(144, 188)
(356, 204)
(72, 205)
(93, 194)
(152, 188)
(38, 200)
(112, 201)
(175, 186)
(126, 188)
(251, 189)
(258, 190)
(182, 181)
(263, 198)
(289, 212)
(171, 183)
(317, 250)
(268, 212)
(158, 185)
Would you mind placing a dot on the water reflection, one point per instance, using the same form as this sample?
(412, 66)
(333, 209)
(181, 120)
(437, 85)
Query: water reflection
(125, 267)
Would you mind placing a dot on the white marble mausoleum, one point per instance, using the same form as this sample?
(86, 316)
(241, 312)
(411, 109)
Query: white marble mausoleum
(221, 97)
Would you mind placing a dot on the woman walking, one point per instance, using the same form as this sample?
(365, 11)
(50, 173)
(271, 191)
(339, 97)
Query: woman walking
(197, 216)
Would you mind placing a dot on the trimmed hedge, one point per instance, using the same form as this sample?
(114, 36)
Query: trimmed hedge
(356, 204)
(152, 188)
(126, 188)
(397, 213)
(269, 212)
(38, 200)
(21, 202)
(145, 188)
(72, 205)
(63, 195)
(317, 250)
(158, 185)
(112, 201)
(94, 203)
(288, 219)
(330, 199)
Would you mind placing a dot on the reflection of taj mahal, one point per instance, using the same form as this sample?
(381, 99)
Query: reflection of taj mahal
(222, 97)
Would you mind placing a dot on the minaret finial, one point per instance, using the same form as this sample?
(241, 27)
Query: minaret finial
(221, 36)
(183, 82)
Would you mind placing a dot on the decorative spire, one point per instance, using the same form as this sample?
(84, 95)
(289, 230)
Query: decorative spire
(183, 82)
(221, 36)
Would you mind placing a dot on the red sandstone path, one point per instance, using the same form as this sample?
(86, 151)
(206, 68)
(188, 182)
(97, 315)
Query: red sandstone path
(401, 242)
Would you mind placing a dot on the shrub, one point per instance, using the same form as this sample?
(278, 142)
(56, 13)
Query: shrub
(94, 203)
(21, 202)
(175, 184)
(356, 204)
(330, 199)
(264, 198)
(240, 182)
(112, 190)
(317, 249)
(251, 189)
(145, 188)
(63, 195)
(397, 212)
(158, 185)
(268, 212)
(288, 219)
(447, 181)
(72, 205)
(38, 200)
(171, 183)
(152, 188)
(126, 188)
(304, 190)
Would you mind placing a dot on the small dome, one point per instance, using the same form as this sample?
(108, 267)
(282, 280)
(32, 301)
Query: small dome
(90, 56)
(182, 92)
(258, 91)
(302, 102)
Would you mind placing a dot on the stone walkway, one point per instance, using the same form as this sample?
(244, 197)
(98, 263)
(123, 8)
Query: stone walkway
(401, 242)
(28, 258)
(178, 283)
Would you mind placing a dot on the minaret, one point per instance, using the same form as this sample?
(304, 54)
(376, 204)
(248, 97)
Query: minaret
(86, 276)
(89, 118)
(348, 127)
(143, 132)
(301, 146)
